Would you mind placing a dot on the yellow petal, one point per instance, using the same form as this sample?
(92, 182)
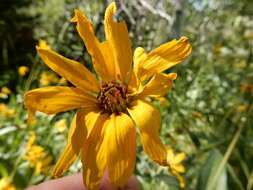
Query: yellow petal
(51, 100)
(179, 177)
(94, 153)
(179, 158)
(121, 146)
(163, 57)
(134, 85)
(88, 118)
(120, 44)
(100, 52)
(147, 118)
(170, 155)
(139, 56)
(43, 44)
(71, 70)
(158, 85)
(76, 139)
(68, 156)
(179, 168)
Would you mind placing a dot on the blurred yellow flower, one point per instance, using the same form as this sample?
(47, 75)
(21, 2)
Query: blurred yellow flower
(197, 115)
(241, 64)
(6, 111)
(175, 166)
(217, 49)
(6, 185)
(61, 125)
(36, 156)
(248, 36)
(63, 81)
(241, 107)
(23, 70)
(245, 86)
(103, 129)
(47, 78)
(6, 90)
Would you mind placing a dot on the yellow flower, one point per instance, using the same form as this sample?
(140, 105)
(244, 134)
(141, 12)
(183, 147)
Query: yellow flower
(217, 49)
(103, 129)
(6, 90)
(6, 185)
(63, 81)
(47, 78)
(245, 86)
(23, 70)
(248, 36)
(61, 125)
(175, 166)
(36, 156)
(6, 111)
(241, 107)
(197, 115)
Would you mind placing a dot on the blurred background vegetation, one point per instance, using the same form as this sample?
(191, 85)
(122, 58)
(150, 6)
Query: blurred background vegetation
(207, 114)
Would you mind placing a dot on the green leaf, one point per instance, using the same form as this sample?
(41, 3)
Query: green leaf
(208, 170)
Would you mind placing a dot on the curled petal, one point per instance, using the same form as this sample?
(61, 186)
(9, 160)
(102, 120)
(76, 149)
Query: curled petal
(158, 85)
(162, 58)
(147, 119)
(100, 52)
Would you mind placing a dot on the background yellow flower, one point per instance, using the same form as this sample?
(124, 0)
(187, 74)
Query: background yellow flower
(23, 70)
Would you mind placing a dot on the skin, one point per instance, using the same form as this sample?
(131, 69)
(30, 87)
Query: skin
(75, 182)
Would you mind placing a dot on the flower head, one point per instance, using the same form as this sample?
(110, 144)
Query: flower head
(6, 90)
(6, 111)
(245, 86)
(175, 166)
(103, 129)
(37, 156)
(23, 70)
(241, 107)
(47, 78)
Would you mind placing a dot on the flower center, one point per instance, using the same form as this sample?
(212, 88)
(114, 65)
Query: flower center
(112, 97)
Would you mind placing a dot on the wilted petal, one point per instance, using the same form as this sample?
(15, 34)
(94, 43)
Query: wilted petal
(119, 42)
(100, 52)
